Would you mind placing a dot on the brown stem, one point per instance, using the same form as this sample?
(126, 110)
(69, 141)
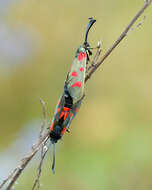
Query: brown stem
(121, 37)
(26, 160)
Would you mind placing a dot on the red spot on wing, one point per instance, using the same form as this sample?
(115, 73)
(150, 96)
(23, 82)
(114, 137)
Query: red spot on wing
(63, 131)
(81, 69)
(78, 84)
(74, 74)
(66, 109)
(71, 115)
(58, 102)
(52, 125)
(61, 115)
(76, 109)
(81, 56)
(58, 109)
(64, 113)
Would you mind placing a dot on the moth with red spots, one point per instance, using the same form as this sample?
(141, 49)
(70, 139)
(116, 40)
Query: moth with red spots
(70, 101)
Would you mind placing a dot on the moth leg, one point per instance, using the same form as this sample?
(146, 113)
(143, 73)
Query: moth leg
(97, 47)
(95, 58)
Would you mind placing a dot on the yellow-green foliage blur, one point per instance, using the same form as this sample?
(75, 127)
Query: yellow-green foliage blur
(109, 146)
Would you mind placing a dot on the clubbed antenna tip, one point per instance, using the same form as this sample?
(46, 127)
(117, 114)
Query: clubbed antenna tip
(91, 22)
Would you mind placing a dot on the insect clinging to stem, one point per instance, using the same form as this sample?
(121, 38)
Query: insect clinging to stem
(70, 101)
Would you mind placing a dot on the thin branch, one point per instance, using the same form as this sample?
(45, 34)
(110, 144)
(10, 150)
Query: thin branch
(121, 37)
(96, 57)
(26, 160)
(35, 147)
(37, 180)
(8, 177)
(136, 26)
(45, 137)
(44, 148)
(44, 116)
(43, 123)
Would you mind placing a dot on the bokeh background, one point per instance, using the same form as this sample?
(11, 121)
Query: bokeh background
(109, 146)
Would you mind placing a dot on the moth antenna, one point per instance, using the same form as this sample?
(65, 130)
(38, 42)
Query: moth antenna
(53, 164)
(91, 22)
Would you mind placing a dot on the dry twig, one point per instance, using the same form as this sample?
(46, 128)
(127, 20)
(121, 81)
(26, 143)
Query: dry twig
(37, 180)
(121, 37)
(8, 177)
(44, 148)
(136, 26)
(16, 173)
(95, 58)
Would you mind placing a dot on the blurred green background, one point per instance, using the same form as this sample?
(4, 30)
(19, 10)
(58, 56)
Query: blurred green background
(109, 146)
